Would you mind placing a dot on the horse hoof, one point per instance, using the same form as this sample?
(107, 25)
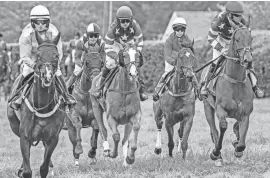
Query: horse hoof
(219, 163)
(157, 151)
(126, 165)
(129, 160)
(19, 173)
(51, 170)
(113, 155)
(106, 153)
(92, 153)
(238, 154)
(93, 161)
(214, 157)
(234, 143)
(78, 150)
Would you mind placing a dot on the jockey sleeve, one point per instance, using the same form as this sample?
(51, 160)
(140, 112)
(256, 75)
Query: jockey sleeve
(26, 50)
(170, 54)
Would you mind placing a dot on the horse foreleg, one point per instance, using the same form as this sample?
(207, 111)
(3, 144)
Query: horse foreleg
(94, 138)
(72, 137)
(159, 123)
(210, 117)
(236, 132)
(243, 128)
(135, 121)
(125, 142)
(98, 113)
(115, 135)
(223, 124)
(186, 131)
(170, 132)
(77, 122)
(25, 150)
(50, 146)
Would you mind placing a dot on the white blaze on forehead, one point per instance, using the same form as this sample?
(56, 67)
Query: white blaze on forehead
(90, 28)
(187, 54)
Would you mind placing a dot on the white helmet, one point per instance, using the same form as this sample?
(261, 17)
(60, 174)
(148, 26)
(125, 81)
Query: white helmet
(179, 21)
(39, 12)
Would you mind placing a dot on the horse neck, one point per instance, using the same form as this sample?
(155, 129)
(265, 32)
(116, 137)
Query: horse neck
(122, 81)
(42, 95)
(234, 69)
(85, 81)
(179, 83)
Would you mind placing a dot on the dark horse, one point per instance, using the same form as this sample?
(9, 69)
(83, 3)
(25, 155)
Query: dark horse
(233, 95)
(123, 107)
(177, 104)
(82, 115)
(41, 115)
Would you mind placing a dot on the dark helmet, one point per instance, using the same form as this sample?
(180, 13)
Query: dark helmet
(124, 12)
(234, 7)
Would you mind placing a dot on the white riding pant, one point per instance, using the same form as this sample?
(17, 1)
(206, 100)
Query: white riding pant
(111, 63)
(168, 68)
(77, 70)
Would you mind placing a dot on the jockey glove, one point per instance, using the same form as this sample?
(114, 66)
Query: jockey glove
(218, 47)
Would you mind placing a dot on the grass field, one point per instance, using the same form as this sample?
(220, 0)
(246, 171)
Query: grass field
(254, 164)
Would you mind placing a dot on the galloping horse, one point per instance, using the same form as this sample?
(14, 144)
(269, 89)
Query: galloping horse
(82, 115)
(41, 115)
(177, 104)
(233, 95)
(122, 105)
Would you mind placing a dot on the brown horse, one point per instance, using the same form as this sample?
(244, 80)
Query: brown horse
(233, 95)
(41, 115)
(123, 107)
(177, 104)
(82, 115)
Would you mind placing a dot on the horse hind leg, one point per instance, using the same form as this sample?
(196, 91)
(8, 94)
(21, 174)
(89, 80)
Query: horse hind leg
(72, 137)
(135, 121)
(49, 148)
(77, 122)
(115, 135)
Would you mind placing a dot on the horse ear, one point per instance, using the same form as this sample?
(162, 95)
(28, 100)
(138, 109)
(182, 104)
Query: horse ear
(38, 38)
(248, 23)
(192, 44)
(56, 39)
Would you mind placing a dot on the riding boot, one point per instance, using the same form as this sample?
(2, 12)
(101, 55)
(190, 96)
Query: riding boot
(64, 92)
(210, 72)
(143, 96)
(16, 104)
(70, 82)
(253, 79)
(160, 84)
(98, 91)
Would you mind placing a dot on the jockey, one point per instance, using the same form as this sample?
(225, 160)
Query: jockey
(124, 31)
(3, 44)
(219, 37)
(40, 22)
(172, 46)
(91, 42)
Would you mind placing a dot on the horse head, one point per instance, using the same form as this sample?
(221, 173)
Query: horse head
(185, 63)
(131, 62)
(47, 59)
(240, 46)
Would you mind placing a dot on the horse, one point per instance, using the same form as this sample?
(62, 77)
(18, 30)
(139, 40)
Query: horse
(177, 103)
(4, 73)
(82, 115)
(122, 106)
(232, 95)
(41, 115)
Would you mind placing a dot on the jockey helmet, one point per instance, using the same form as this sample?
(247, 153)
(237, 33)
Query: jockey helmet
(234, 7)
(93, 28)
(179, 22)
(124, 12)
(40, 18)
